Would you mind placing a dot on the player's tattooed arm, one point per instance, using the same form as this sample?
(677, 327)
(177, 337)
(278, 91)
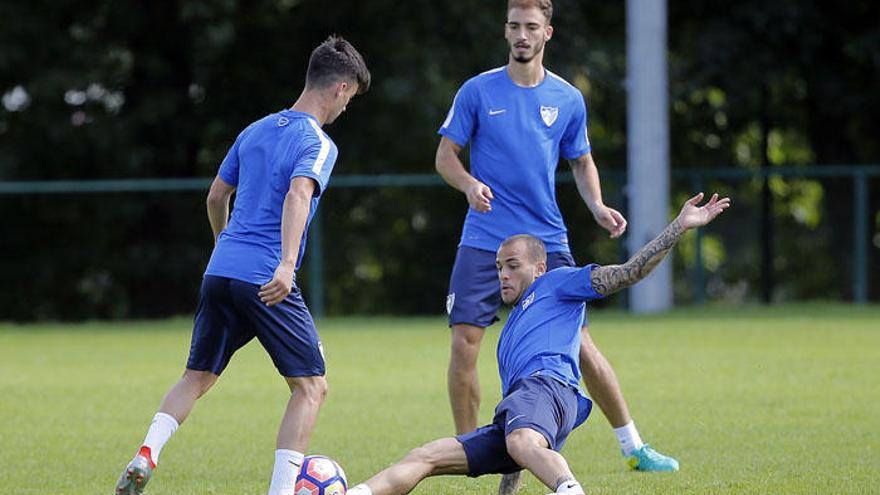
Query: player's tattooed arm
(610, 279)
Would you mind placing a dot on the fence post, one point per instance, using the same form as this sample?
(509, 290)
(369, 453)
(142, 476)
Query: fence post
(860, 238)
(316, 266)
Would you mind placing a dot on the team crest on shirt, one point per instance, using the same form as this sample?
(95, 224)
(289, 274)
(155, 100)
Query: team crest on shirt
(450, 301)
(549, 114)
(528, 301)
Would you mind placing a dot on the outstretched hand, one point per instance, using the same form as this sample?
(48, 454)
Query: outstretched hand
(693, 216)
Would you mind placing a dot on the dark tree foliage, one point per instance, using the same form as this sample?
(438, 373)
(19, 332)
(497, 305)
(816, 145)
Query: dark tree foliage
(133, 89)
(804, 75)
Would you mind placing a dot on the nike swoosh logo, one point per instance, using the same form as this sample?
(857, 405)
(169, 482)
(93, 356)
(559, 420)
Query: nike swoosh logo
(496, 112)
(515, 418)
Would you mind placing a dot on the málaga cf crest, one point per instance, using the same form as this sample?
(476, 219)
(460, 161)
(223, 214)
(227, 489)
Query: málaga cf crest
(549, 114)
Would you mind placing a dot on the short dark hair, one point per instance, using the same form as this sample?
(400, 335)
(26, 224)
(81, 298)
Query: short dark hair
(534, 246)
(336, 59)
(545, 6)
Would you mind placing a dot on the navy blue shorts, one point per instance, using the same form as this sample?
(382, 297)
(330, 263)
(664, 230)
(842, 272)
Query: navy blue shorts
(474, 290)
(230, 314)
(539, 403)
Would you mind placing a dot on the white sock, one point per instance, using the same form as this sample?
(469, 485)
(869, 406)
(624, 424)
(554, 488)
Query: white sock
(629, 438)
(571, 487)
(361, 489)
(287, 464)
(161, 429)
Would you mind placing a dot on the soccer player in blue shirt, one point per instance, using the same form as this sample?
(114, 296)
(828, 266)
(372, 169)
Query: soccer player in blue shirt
(518, 120)
(278, 167)
(538, 354)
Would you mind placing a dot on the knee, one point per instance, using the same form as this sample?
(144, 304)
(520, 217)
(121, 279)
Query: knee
(520, 442)
(426, 454)
(199, 381)
(515, 445)
(419, 454)
(466, 343)
(312, 388)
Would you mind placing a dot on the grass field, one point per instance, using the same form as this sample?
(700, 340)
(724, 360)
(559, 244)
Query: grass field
(750, 400)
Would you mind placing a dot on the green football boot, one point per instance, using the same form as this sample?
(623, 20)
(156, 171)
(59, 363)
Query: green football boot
(647, 459)
(136, 475)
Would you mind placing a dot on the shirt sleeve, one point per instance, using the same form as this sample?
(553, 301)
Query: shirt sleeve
(461, 120)
(230, 165)
(576, 141)
(314, 161)
(574, 284)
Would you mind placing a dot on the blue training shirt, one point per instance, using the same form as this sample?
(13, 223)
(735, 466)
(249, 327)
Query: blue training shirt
(516, 137)
(265, 157)
(542, 336)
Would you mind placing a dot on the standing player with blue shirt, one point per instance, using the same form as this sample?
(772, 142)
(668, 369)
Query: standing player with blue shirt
(538, 354)
(279, 168)
(518, 120)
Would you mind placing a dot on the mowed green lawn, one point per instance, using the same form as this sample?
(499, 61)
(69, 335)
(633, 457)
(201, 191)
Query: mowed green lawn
(750, 400)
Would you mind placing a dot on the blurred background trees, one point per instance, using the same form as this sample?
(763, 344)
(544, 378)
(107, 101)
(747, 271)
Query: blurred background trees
(132, 89)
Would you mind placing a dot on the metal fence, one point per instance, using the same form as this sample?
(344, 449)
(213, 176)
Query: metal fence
(697, 178)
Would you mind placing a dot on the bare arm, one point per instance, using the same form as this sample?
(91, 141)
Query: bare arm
(218, 205)
(449, 166)
(610, 279)
(297, 204)
(586, 176)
